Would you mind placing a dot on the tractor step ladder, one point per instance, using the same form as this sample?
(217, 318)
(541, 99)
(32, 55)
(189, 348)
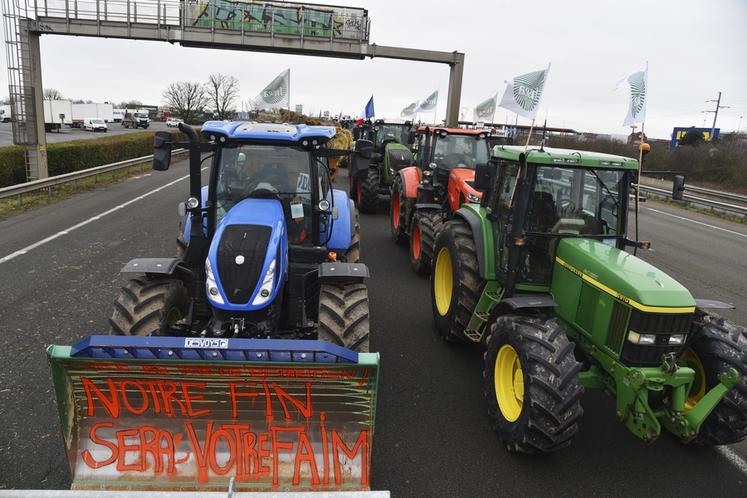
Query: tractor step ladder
(491, 295)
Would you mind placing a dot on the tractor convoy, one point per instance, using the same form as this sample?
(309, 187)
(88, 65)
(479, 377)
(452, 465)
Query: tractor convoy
(244, 359)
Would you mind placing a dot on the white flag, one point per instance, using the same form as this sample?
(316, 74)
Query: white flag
(410, 110)
(638, 84)
(276, 95)
(485, 110)
(429, 103)
(524, 92)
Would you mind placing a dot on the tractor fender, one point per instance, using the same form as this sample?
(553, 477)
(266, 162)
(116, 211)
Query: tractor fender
(344, 226)
(475, 223)
(340, 272)
(158, 266)
(425, 205)
(712, 304)
(186, 224)
(410, 180)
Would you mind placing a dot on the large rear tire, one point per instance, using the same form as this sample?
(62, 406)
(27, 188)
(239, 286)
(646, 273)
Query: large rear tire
(531, 384)
(343, 315)
(718, 345)
(455, 280)
(426, 224)
(368, 196)
(353, 252)
(149, 306)
(397, 215)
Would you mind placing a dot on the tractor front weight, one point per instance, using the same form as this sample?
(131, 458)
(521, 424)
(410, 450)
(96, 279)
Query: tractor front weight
(649, 398)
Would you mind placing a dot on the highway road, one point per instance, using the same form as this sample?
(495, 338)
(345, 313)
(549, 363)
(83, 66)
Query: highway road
(67, 133)
(59, 270)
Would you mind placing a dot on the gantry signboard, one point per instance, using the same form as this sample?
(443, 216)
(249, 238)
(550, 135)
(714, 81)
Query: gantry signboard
(179, 424)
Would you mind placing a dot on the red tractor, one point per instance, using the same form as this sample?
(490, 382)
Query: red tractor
(429, 192)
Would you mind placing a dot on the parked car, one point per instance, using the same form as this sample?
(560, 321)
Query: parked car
(94, 124)
(173, 122)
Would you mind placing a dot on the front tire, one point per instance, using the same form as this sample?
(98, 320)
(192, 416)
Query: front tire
(426, 224)
(149, 306)
(397, 215)
(343, 316)
(531, 384)
(368, 195)
(718, 345)
(455, 280)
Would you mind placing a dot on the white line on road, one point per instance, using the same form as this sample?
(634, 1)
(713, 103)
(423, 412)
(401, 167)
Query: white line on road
(697, 222)
(733, 457)
(66, 231)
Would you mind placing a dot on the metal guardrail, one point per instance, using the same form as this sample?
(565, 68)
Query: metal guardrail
(53, 181)
(717, 193)
(700, 201)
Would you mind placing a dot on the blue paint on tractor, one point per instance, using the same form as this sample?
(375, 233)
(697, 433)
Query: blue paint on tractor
(248, 130)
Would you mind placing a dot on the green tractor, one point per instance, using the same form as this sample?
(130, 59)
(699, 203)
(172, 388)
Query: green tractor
(390, 154)
(538, 273)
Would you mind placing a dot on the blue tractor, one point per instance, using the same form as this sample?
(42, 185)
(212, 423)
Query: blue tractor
(267, 249)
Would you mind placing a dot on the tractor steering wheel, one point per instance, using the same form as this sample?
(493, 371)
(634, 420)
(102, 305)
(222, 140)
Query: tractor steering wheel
(566, 206)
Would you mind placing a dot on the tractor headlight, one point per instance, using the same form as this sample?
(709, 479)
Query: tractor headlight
(641, 339)
(677, 339)
(266, 290)
(473, 198)
(211, 287)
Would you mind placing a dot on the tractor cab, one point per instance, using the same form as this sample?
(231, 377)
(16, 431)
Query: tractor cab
(564, 195)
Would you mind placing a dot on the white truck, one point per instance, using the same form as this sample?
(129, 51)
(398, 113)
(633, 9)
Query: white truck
(5, 113)
(57, 113)
(83, 111)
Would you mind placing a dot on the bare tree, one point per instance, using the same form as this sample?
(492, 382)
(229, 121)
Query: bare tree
(222, 92)
(186, 99)
(52, 94)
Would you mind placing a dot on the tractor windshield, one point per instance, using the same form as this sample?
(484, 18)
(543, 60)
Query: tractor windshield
(391, 133)
(570, 202)
(459, 151)
(268, 172)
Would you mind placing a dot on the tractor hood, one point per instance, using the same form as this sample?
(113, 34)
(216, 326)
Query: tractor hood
(464, 179)
(247, 256)
(621, 274)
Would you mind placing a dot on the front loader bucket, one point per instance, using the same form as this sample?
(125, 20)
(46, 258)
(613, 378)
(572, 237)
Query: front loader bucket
(167, 413)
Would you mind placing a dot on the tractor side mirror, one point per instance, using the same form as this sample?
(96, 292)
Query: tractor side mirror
(360, 161)
(678, 187)
(411, 136)
(364, 148)
(162, 151)
(483, 176)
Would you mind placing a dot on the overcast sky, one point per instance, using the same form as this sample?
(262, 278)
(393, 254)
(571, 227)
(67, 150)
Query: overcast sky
(694, 48)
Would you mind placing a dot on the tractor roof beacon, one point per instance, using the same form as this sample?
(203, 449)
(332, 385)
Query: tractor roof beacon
(538, 273)
(389, 140)
(264, 250)
(427, 194)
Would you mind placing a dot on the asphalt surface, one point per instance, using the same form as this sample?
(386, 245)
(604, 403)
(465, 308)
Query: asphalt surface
(432, 433)
(66, 133)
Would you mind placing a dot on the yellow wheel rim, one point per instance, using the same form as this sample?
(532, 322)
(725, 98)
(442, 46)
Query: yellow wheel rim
(690, 359)
(509, 383)
(443, 281)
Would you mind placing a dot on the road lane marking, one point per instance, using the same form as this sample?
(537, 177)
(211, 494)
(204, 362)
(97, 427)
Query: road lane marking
(697, 222)
(97, 217)
(733, 457)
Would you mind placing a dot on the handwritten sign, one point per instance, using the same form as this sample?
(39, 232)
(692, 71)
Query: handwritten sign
(173, 424)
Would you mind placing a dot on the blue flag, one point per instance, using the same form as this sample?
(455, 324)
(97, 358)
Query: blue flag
(369, 112)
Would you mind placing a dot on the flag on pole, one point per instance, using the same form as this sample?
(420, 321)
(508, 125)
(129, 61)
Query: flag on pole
(485, 110)
(429, 103)
(276, 95)
(410, 110)
(524, 92)
(637, 82)
(368, 113)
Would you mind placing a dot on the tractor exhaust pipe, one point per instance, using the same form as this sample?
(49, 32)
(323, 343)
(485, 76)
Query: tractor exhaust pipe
(195, 177)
